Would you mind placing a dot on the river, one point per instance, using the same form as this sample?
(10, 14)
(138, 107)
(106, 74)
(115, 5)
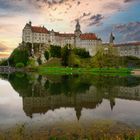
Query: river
(69, 104)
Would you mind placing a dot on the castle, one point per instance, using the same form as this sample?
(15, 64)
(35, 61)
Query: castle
(41, 35)
(88, 41)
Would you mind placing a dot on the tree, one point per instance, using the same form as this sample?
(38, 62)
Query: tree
(3, 62)
(82, 53)
(46, 54)
(19, 56)
(55, 51)
(73, 60)
(65, 52)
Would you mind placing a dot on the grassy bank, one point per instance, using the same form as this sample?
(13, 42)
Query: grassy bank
(67, 70)
(98, 130)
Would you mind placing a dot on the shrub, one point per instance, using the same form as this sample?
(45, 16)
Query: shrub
(81, 52)
(74, 60)
(3, 62)
(65, 52)
(46, 54)
(19, 65)
(39, 61)
(55, 51)
(19, 56)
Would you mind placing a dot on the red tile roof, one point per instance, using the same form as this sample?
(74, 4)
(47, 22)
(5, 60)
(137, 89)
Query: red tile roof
(37, 29)
(88, 36)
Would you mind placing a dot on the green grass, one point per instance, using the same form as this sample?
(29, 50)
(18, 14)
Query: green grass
(55, 62)
(67, 70)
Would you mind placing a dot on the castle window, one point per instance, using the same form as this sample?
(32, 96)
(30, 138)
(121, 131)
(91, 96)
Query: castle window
(136, 50)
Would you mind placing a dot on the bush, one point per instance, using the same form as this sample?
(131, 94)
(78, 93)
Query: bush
(55, 51)
(3, 62)
(65, 52)
(74, 60)
(46, 54)
(81, 52)
(19, 56)
(39, 61)
(19, 65)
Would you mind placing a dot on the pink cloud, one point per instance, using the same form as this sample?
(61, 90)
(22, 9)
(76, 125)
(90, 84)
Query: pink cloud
(56, 14)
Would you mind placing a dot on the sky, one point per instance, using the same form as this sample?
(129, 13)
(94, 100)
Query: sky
(122, 17)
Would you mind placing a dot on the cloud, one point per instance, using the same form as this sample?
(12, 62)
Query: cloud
(4, 55)
(129, 31)
(59, 15)
(130, 0)
(96, 19)
(4, 48)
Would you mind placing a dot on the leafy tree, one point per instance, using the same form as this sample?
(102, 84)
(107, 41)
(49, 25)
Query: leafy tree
(46, 54)
(65, 52)
(81, 52)
(55, 51)
(3, 62)
(74, 60)
(19, 56)
(39, 61)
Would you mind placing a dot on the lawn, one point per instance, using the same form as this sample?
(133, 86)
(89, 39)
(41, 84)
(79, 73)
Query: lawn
(68, 70)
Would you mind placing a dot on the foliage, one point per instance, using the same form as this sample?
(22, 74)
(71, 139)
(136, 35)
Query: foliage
(32, 62)
(19, 56)
(53, 62)
(106, 57)
(39, 61)
(73, 60)
(55, 51)
(3, 62)
(65, 52)
(19, 65)
(82, 53)
(46, 54)
(130, 61)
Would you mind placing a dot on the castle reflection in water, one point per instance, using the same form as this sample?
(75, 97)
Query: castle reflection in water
(43, 93)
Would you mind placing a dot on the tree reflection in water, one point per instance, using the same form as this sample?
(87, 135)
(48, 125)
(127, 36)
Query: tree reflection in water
(43, 93)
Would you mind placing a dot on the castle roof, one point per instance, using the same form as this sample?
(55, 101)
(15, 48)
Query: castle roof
(66, 35)
(88, 36)
(37, 29)
(128, 44)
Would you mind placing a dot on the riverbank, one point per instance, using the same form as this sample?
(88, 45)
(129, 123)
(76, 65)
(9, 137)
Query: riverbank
(43, 70)
(7, 69)
(98, 130)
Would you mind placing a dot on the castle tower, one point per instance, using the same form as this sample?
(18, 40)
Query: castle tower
(77, 29)
(112, 38)
(78, 110)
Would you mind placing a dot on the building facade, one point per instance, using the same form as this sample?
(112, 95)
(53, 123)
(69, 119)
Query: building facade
(41, 35)
(129, 49)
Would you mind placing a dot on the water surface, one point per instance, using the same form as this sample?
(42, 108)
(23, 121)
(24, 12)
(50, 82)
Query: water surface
(70, 100)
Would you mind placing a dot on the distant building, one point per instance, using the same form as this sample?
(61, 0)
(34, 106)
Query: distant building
(124, 49)
(129, 49)
(36, 34)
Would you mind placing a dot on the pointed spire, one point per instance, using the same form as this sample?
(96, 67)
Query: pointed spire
(30, 23)
(112, 103)
(78, 112)
(112, 38)
(78, 28)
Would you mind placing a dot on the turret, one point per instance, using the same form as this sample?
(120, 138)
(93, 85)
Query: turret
(78, 29)
(30, 23)
(112, 38)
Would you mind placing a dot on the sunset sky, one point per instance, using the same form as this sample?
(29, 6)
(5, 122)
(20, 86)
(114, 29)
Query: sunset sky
(122, 17)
